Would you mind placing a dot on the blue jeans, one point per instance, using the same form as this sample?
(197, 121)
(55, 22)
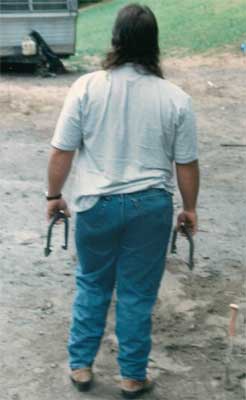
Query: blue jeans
(121, 243)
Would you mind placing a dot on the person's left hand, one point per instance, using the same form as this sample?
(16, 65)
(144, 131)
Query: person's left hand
(53, 206)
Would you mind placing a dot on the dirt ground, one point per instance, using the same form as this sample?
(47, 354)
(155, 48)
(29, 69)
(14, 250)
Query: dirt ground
(190, 343)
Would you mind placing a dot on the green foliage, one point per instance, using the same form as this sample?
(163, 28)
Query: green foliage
(186, 26)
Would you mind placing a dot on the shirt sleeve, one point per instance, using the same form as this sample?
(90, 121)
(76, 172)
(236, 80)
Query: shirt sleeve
(68, 131)
(185, 145)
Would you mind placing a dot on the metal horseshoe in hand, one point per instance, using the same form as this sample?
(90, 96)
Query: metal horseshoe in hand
(59, 215)
(186, 232)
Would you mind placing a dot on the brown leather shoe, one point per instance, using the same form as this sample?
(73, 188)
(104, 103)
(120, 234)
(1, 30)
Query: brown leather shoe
(131, 389)
(82, 378)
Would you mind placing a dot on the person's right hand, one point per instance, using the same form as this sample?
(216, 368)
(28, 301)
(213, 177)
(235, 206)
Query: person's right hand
(189, 219)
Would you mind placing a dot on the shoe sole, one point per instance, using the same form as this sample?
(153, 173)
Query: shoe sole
(135, 395)
(82, 386)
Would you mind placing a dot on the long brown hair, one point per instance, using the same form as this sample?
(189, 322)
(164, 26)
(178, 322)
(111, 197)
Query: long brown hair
(135, 40)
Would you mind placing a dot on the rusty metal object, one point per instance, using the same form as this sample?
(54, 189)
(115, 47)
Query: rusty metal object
(187, 233)
(58, 216)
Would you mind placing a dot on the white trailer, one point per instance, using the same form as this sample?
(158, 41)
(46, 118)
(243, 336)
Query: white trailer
(54, 20)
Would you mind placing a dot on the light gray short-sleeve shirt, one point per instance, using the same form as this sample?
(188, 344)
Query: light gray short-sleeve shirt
(128, 128)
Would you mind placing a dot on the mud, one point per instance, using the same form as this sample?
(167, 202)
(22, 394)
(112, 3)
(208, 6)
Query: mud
(190, 342)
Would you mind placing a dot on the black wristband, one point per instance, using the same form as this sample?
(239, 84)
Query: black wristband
(57, 197)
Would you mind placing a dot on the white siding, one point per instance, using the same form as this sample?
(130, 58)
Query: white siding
(57, 31)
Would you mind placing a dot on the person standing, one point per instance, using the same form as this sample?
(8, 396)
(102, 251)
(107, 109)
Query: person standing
(130, 127)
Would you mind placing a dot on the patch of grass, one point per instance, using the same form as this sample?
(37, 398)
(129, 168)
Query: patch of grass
(186, 26)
